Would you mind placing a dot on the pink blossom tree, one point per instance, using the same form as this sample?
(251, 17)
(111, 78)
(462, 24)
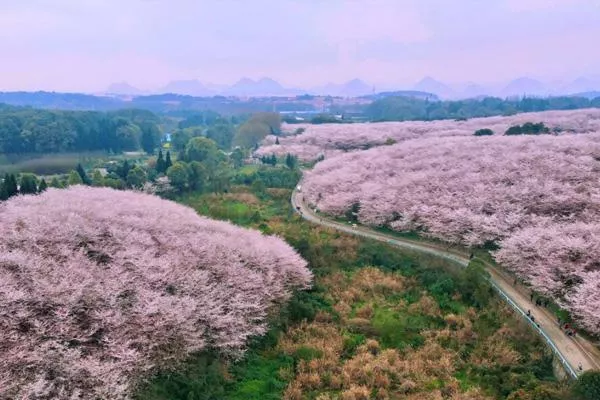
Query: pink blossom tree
(538, 198)
(99, 287)
(332, 139)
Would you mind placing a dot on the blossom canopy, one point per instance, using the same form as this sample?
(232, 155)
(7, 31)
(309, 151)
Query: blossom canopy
(98, 287)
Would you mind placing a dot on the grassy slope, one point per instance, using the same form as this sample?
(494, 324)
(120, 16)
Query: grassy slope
(443, 330)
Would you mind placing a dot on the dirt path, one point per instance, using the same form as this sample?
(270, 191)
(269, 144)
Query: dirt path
(576, 354)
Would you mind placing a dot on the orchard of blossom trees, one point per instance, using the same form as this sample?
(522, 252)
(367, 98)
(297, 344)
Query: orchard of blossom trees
(331, 139)
(100, 287)
(536, 197)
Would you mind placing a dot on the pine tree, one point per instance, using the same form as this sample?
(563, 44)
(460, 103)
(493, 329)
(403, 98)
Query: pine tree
(124, 170)
(168, 162)
(273, 159)
(97, 178)
(12, 187)
(160, 163)
(276, 140)
(290, 161)
(83, 175)
(55, 183)
(29, 184)
(74, 178)
(43, 186)
(3, 188)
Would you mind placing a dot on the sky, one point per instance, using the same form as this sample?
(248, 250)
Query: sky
(85, 45)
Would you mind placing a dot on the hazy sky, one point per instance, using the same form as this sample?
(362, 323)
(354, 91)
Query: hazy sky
(87, 44)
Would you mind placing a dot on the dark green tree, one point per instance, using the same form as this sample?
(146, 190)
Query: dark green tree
(250, 133)
(178, 176)
(168, 162)
(277, 140)
(237, 157)
(29, 184)
(55, 183)
(197, 176)
(202, 150)
(12, 186)
(4, 188)
(136, 177)
(291, 161)
(587, 386)
(273, 159)
(514, 130)
(43, 186)
(483, 132)
(84, 178)
(97, 179)
(161, 166)
(123, 170)
(74, 178)
(150, 137)
(179, 138)
(222, 134)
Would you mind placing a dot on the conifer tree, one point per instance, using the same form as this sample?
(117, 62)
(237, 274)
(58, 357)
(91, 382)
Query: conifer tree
(83, 175)
(168, 162)
(55, 183)
(74, 178)
(12, 187)
(28, 184)
(160, 163)
(3, 188)
(43, 186)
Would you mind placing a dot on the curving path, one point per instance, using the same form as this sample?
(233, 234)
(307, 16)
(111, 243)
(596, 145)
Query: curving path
(575, 354)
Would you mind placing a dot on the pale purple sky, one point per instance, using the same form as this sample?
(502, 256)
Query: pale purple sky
(84, 45)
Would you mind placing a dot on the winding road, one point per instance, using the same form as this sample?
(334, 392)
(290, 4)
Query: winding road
(575, 354)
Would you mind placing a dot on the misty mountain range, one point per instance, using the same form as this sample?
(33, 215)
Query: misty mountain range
(246, 87)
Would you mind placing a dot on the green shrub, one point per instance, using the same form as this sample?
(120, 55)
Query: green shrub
(587, 386)
(483, 132)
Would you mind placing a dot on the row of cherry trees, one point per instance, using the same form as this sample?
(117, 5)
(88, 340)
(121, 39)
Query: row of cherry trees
(98, 287)
(537, 198)
(329, 140)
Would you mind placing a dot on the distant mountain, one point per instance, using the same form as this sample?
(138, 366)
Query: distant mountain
(355, 87)
(352, 88)
(430, 85)
(123, 88)
(580, 85)
(525, 87)
(216, 87)
(473, 90)
(260, 88)
(191, 87)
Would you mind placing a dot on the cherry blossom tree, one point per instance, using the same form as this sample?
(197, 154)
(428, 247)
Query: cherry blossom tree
(332, 139)
(537, 198)
(99, 287)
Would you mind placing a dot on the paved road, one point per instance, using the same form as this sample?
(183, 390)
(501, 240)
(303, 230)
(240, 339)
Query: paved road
(576, 354)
